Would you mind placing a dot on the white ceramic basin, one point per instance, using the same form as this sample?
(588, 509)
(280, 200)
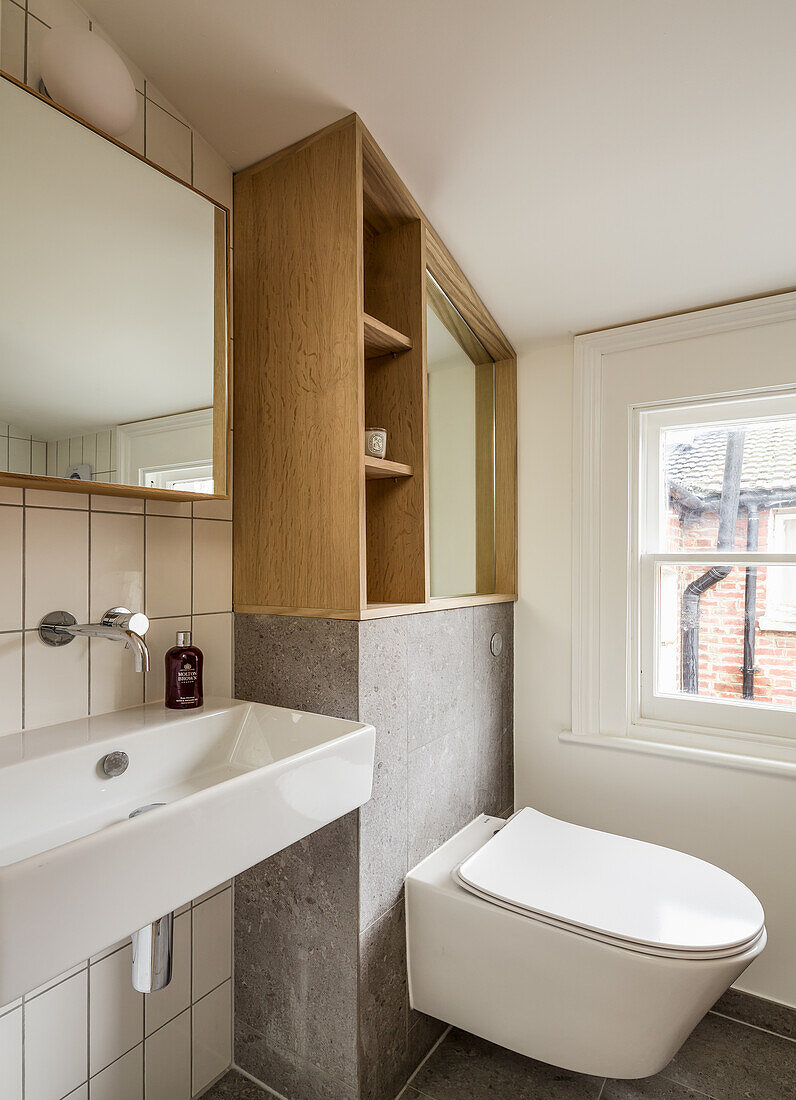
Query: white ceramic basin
(240, 782)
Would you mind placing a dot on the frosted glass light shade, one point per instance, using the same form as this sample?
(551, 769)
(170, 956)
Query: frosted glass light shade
(84, 74)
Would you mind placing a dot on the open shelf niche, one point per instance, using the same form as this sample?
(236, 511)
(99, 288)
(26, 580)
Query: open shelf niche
(395, 399)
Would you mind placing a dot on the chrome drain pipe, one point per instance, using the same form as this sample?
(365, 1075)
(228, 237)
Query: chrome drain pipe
(153, 945)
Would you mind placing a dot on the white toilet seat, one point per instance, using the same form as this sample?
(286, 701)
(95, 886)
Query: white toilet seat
(542, 950)
(630, 894)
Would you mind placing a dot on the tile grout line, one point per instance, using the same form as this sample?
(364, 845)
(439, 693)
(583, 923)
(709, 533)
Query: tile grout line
(755, 1027)
(436, 1045)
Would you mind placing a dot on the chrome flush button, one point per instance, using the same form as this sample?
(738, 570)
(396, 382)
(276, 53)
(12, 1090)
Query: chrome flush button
(496, 644)
(115, 763)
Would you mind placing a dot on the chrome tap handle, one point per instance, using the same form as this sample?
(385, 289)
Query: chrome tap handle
(124, 619)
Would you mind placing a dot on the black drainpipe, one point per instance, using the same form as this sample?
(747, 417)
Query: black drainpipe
(750, 603)
(728, 519)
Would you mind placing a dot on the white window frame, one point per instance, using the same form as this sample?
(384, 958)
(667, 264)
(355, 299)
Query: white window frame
(778, 616)
(605, 714)
(651, 707)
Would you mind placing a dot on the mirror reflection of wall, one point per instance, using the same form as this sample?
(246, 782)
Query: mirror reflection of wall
(461, 418)
(112, 310)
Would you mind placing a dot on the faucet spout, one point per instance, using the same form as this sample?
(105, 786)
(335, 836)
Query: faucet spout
(140, 650)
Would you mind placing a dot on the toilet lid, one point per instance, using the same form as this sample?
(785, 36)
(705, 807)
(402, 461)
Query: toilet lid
(624, 889)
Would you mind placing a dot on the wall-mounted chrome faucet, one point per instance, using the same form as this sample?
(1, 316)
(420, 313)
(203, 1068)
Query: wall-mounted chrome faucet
(117, 625)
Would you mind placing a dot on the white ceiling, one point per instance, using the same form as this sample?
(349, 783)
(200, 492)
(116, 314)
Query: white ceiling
(588, 162)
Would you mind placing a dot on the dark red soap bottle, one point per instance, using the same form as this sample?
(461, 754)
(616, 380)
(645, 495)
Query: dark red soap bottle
(184, 674)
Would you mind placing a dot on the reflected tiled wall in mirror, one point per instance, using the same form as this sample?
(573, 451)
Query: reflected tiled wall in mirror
(172, 560)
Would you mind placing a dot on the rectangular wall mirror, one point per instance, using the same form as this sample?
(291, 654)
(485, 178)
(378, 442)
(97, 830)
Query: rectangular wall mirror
(113, 313)
(461, 452)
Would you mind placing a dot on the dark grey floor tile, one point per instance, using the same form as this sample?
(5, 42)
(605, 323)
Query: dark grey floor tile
(758, 1012)
(651, 1088)
(730, 1061)
(464, 1067)
(284, 1071)
(234, 1086)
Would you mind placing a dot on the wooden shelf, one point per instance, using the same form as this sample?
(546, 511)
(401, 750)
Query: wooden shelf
(380, 339)
(382, 467)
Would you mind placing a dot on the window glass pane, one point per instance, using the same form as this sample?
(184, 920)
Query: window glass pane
(725, 485)
(706, 649)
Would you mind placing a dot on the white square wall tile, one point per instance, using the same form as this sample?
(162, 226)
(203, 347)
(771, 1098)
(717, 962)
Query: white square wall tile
(10, 1006)
(56, 1040)
(134, 71)
(213, 891)
(213, 635)
(45, 498)
(117, 563)
(210, 173)
(55, 981)
(168, 1061)
(10, 682)
(10, 496)
(134, 137)
(124, 1080)
(212, 943)
(167, 1003)
(36, 34)
(117, 1010)
(161, 636)
(168, 142)
(11, 568)
(38, 462)
(212, 1036)
(101, 503)
(11, 1055)
(212, 509)
(12, 39)
(168, 507)
(113, 680)
(168, 566)
(59, 13)
(56, 681)
(19, 456)
(56, 564)
(212, 566)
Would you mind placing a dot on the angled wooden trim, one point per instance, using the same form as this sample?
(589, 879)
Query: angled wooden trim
(455, 284)
(351, 119)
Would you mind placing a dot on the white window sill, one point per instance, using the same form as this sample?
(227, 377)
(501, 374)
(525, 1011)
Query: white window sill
(722, 758)
(779, 625)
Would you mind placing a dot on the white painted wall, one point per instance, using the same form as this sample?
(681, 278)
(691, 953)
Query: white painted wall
(742, 821)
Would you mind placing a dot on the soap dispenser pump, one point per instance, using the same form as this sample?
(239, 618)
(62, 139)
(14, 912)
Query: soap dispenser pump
(184, 674)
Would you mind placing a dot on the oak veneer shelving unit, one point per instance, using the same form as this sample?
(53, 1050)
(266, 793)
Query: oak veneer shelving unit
(331, 253)
(376, 468)
(380, 339)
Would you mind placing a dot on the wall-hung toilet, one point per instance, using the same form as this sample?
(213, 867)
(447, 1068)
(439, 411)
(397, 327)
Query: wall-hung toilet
(583, 949)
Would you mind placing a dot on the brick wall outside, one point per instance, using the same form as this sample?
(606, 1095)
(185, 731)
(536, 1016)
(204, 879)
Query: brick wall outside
(722, 619)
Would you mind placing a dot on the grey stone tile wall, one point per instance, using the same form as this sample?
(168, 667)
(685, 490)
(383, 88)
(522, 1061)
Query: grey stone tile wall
(320, 940)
